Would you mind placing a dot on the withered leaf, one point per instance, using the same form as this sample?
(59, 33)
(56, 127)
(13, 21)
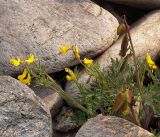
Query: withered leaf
(129, 96)
(119, 101)
(122, 102)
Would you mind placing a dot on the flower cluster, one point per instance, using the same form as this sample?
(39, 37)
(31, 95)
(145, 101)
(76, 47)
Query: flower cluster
(15, 62)
(25, 78)
(64, 49)
(86, 62)
(71, 75)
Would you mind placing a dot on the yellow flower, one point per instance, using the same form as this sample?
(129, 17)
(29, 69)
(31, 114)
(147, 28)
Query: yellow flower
(76, 52)
(25, 78)
(65, 49)
(21, 77)
(70, 78)
(67, 69)
(150, 62)
(30, 59)
(15, 62)
(88, 62)
(71, 75)
(28, 79)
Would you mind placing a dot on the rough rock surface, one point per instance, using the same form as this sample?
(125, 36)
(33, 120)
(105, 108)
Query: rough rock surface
(40, 26)
(146, 38)
(22, 113)
(144, 4)
(111, 126)
(52, 99)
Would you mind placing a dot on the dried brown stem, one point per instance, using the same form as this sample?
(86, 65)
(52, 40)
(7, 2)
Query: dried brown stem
(134, 55)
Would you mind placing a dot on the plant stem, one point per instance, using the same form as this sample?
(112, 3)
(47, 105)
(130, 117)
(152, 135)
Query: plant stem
(52, 84)
(134, 55)
(136, 69)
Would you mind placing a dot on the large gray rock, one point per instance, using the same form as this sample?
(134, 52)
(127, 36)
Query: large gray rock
(146, 38)
(111, 126)
(144, 4)
(22, 113)
(40, 26)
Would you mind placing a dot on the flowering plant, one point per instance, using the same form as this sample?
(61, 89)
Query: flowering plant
(123, 90)
(39, 73)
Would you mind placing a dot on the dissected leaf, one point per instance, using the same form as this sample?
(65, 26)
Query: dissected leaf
(121, 29)
(124, 46)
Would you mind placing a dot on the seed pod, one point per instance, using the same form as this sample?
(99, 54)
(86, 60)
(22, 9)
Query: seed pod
(121, 29)
(124, 46)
